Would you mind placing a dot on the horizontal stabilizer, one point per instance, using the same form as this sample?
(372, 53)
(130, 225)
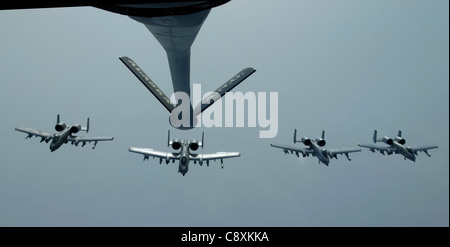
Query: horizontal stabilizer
(148, 83)
(226, 87)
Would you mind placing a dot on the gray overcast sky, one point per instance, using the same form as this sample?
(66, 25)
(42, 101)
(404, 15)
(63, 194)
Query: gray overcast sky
(347, 67)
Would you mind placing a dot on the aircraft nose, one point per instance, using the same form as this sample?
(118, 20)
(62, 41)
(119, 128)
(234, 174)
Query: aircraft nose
(411, 157)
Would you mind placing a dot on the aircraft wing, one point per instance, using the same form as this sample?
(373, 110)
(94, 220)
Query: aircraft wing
(382, 149)
(423, 149)
(332, 153)
(33, 132)
(75, 140)
(292, 149)
(215, 156)
(147, 152)
(207, 157)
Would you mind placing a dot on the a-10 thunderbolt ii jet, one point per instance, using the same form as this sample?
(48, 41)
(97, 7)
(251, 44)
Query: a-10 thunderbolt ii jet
(315, 148)
(396, 145)
(64, 135)
(184, 155)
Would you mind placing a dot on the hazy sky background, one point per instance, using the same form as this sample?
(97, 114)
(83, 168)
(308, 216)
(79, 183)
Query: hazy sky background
(346, 67)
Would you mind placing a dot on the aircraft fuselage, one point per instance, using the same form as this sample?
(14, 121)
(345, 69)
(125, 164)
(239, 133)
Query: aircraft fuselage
(320, 153)
(404, 150)
(183, 166)
(59, 139)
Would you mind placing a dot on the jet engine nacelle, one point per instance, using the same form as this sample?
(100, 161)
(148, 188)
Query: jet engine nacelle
(75, 128)
(400, 140)
(321, 142)
(60, 126)
(193, 145)
(387, 140)
(176, 144)
(306, 141)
